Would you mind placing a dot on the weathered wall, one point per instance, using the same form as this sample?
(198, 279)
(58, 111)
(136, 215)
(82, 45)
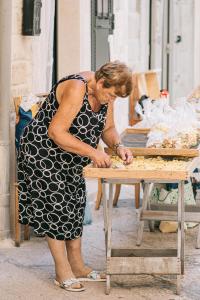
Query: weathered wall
(74, 50)
(21, 83)
(31, 55)
(129, 44)
(31, 68)
(68, 37)
(5, 80)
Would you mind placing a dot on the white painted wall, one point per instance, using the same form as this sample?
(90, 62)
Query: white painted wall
(85, 35)
(74, 37)
(129, 44)
(196, 43)
(184, 60)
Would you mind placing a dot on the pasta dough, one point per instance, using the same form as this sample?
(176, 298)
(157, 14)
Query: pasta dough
(155, 163)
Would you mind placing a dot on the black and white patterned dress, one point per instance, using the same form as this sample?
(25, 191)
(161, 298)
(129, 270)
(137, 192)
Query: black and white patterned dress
(52, 192)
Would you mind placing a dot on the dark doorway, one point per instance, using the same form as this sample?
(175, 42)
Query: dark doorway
(102, 25)
(54, 71)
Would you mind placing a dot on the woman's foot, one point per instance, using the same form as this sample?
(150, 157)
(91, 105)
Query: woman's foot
(89, 274)
(94, 276)
(68, 277)
(71, 285)
(66, 274)
(76, 262)
(81, 271)
(65, 277)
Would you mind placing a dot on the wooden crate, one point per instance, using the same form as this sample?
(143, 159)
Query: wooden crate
(136, 139)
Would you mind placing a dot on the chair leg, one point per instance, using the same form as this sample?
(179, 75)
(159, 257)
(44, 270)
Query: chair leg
(117, 192)
(99, 195)
(17, 225)
(198, 238)
(26, 232)
(137, 195)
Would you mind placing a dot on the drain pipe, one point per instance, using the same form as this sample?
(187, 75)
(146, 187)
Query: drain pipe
(5, 86)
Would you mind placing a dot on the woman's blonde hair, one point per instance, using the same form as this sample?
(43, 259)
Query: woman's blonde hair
(116, 74)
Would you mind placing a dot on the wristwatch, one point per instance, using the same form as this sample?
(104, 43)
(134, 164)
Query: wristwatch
(117, 145)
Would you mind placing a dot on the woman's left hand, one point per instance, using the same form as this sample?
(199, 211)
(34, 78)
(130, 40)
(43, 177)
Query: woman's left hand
(125, 154)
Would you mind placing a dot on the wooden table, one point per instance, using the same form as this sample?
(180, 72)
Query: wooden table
(136, 139)
(143, 261)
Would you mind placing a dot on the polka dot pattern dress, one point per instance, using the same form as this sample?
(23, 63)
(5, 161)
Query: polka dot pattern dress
(52, 192)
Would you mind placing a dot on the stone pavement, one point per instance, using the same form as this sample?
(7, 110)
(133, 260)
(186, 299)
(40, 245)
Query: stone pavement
(27, 272)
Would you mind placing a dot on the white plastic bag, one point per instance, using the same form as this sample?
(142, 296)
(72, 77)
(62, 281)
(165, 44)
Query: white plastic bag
(176, 127)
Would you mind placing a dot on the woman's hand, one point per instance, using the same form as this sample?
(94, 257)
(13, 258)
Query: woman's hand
(100, 159)
(125, 154)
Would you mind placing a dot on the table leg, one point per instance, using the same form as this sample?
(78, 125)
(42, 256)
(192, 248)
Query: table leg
(17, 225)
(181, 219)
(109, 235)
(107, 292)
(105, 213)
(99, 195)
(198, 238)
(178, 285)
(151, 222)
(180, 243)
(117, 192)
(180, 247)
(110, 206)
(137, 195)
(147, 190)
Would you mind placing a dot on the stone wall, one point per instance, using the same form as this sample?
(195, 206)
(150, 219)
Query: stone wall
(5, 80)
(21, 54)
(31, 55)
(31, 69)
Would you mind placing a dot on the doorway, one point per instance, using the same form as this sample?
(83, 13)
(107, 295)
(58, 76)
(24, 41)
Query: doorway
(172, 44)
(102, 25)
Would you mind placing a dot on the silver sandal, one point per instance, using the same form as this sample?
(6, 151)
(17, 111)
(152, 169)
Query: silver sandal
(68, 285)
(94, 276)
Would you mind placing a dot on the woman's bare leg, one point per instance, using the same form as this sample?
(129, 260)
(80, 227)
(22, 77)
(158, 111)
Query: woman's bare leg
(75, 258)
(62, 267)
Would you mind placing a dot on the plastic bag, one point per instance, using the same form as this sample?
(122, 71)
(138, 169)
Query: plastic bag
(179, 127)
(161, 196)
(153, 112)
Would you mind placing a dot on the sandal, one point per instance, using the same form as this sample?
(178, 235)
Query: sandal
(94, 276)
(68, 285)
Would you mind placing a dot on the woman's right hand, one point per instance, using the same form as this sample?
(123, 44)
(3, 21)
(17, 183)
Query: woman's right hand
(100, 159)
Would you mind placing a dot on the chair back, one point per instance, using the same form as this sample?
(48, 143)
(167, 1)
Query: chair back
(144, 83)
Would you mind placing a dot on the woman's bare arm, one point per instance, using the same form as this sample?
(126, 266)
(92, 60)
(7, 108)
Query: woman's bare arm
(110, 135)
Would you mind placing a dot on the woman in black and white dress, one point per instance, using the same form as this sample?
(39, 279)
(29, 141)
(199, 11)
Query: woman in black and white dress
(54, 148)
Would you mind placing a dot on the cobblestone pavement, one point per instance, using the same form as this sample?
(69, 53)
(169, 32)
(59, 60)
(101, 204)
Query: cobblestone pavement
(27, 272)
